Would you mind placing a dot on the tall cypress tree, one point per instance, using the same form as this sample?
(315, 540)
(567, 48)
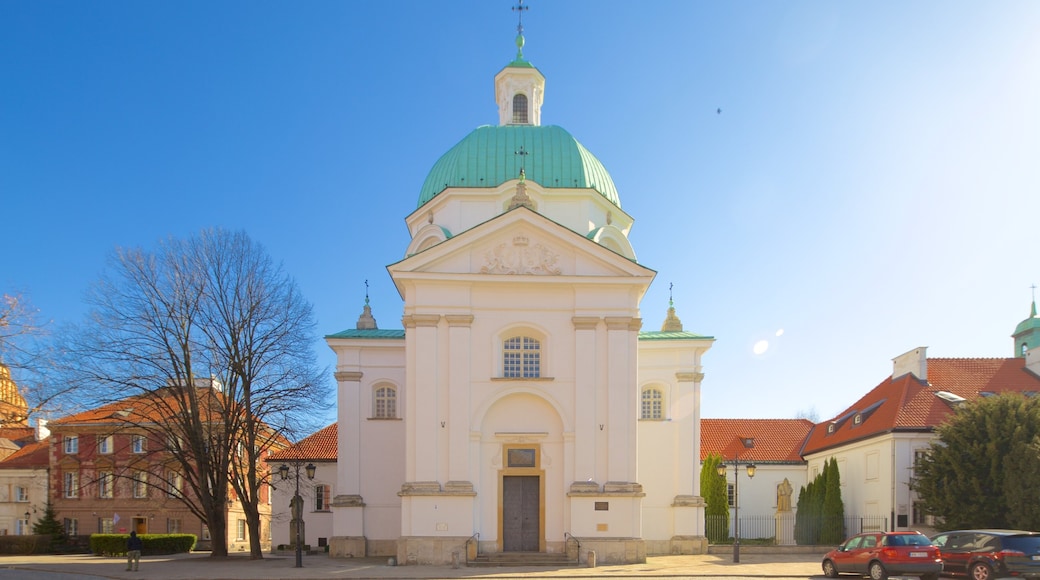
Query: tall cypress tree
(716, 499)
(833, 528)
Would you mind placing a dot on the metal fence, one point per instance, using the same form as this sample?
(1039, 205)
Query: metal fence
(779, 529)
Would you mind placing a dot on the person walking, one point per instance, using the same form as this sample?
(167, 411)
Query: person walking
(133, 552)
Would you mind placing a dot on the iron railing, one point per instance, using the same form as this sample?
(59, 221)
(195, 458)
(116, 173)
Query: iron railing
(787, 530)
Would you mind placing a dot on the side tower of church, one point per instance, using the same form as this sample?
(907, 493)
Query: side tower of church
(522, 408)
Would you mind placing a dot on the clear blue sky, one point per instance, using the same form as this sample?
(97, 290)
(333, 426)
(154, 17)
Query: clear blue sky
(871, 185)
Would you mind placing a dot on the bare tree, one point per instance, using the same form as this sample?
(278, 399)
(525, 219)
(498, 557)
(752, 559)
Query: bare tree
(30, 358)
(222, 336)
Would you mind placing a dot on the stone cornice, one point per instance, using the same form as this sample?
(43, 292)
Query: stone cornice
(413, 320)
(459, 319)
(347, 376)
(585, 322)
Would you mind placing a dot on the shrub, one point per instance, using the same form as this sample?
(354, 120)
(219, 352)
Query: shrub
(115, 544)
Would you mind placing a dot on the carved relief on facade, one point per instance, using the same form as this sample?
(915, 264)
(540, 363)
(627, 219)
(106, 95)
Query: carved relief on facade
(521, 257)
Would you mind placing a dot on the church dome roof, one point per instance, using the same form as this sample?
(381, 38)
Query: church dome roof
(488, 157)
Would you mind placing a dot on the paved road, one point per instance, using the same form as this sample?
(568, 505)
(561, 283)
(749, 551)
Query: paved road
(321, 567)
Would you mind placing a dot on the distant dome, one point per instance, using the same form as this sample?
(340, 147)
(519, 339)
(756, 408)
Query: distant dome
(487, 157)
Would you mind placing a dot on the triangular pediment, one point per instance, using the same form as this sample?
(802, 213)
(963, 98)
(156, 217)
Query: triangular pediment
(521, 242)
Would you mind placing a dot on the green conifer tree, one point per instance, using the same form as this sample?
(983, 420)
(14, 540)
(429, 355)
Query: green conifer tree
(833, 508)
(49, 525)
(716, 499)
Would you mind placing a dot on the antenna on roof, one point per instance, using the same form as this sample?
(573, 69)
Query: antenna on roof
(519, 9)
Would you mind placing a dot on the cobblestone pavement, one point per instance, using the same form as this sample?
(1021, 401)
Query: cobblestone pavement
(321, 567)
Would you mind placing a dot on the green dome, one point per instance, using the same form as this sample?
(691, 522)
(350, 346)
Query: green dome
(487, 157)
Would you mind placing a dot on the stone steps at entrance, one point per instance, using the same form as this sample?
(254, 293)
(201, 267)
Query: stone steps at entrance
(523, 559)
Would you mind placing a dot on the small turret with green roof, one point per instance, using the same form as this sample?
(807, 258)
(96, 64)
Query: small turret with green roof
(1027, 333)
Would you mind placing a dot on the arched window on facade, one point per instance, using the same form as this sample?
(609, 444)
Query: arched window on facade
(520, 109)
(521, 358)
(652, 404)
(385, 403)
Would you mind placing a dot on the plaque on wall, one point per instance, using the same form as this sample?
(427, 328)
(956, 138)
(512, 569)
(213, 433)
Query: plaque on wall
(520, 458)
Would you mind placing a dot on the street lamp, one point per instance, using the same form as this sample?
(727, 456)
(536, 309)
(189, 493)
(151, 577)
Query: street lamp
(748, 443)
(296, 506)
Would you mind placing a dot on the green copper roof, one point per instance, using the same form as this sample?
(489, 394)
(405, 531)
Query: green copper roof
(367, 333)
(487, 157)
(671, 335)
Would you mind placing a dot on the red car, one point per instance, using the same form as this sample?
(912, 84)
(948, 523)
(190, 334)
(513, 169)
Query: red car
(878, 554)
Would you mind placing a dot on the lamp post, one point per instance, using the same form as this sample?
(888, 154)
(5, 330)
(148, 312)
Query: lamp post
(748, 443)
(296, 506)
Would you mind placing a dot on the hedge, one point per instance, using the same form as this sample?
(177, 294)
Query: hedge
(35, 544)
(115, 544)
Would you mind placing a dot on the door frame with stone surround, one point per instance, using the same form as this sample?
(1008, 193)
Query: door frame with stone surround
(521, 460)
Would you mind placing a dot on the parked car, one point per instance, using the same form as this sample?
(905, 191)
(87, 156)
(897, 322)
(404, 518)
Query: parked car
(878, 554)
(986, 554)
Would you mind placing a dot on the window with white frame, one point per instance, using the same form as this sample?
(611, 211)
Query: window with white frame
(322, 496)
(240, 530)
(71, 483)
(105, 484)
(521, 358)
(21, 494)
(71, 527)
(139, 483)
(730, 493)
(106, 525)
(652, 404)
(22, 527)
(173, 526)
(385, 403)
(174, 484)
(104, 444)
(71, 444)
(137, 443)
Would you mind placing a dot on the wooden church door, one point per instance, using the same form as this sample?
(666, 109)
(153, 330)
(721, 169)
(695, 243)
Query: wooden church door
(520, 513)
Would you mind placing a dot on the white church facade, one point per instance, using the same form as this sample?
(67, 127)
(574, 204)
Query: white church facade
(522, 407)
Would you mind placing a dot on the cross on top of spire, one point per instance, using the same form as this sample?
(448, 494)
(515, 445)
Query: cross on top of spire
(519, 9)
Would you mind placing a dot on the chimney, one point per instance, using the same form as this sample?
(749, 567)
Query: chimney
(914, 362)
(1033, 360)
(42, 432)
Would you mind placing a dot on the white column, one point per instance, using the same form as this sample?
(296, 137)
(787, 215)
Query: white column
(456, 420)
(424, 412)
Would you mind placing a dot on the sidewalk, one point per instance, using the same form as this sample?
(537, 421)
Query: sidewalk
(321, 567)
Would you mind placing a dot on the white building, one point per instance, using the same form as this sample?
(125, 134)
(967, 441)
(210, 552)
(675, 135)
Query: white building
(319, 450)
(522, 408)
(877, 439)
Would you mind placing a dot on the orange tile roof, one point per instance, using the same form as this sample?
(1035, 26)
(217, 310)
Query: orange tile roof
(907, 404)
(35, 454)
(142, 408)
(320, 446)
(20, 435)
(776, 440)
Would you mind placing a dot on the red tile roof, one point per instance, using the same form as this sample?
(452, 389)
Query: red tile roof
(35, 454)
(776, 440)
(908, 404)
(320, 446)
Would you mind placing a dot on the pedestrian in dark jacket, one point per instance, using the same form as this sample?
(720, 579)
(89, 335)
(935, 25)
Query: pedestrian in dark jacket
(133, 551)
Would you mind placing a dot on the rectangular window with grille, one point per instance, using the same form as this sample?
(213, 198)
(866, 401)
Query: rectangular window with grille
(651, 404)
(137, 443)
(173, 526)
(386, 403)
(71, 527)
(71, 444)
(240, 530)
(105, 525)
(729, 494)
(21, 494)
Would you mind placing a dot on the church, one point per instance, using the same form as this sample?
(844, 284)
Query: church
(522, 407)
